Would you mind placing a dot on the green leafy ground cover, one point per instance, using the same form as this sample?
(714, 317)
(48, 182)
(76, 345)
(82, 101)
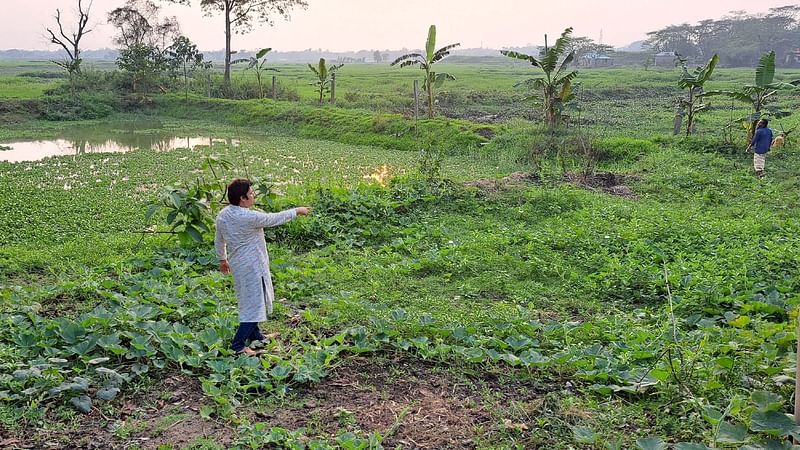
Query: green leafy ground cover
(551, 301)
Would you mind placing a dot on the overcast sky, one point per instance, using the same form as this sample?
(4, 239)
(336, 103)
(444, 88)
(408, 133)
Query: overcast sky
(339, 25)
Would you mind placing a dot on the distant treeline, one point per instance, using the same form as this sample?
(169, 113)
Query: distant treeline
(304, 56)
(738, 38)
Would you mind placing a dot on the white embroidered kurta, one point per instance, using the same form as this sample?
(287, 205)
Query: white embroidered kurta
(240, 239)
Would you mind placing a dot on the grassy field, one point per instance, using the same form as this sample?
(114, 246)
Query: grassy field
(512, 294)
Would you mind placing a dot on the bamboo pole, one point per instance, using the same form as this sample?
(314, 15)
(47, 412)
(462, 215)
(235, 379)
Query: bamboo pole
(274, 87)
(796, 377)
(416, 99)
(333, 88)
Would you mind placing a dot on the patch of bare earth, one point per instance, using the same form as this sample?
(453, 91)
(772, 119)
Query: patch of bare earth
(610, 183)
(494, 185)
(168, 413)
(413, 404)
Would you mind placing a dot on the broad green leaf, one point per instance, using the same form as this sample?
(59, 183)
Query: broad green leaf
(210, 337)
(398, 315)
(84, 347)
(96, 361)
(774, 423)
(261, 53)
(70, 331)
(430, 43)
(194, 233)
(518, 342)
(731, 434)
(771, 445)
(584, 435)
(740, 322)
(24, 374)
(107, 393)
(25, 340)
(281, 371)
(712, 415)
(766, 401)
(82, 403)
(139, 369)
(765, 71)
(111, 374)
(650, 443)
(690, 446)
(206, 411)
(426, 320)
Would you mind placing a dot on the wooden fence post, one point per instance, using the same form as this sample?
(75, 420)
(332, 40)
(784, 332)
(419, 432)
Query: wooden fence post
(416, 99)
(796, 377)
(333, 88)
(274, 87)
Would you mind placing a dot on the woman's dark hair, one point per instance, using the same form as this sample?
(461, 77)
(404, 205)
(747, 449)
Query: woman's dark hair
(238, 189)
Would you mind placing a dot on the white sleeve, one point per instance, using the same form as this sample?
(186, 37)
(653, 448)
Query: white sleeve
(260, 219)
(219, 243)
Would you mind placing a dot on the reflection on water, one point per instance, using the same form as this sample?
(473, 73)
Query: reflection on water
(108, 138)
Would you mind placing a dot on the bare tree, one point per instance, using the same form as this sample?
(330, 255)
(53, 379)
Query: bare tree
(71, 44)
(240, 15)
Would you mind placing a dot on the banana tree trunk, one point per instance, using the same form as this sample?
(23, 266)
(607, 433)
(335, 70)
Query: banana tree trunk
(430, 97)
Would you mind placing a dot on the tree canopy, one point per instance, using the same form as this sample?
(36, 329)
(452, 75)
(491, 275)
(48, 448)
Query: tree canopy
(240, 16)
(738, 38)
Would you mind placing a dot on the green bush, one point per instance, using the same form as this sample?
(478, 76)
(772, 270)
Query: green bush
(90, 95)
(81, 106)
(623, 148)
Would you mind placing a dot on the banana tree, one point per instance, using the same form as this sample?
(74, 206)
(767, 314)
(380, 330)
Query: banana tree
(694, 82)
(758, 94)
(432, 80)
(323, 74)
(258, 63)
(555, 83)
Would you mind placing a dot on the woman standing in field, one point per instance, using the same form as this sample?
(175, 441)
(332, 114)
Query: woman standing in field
(242, 250)
(760, 144)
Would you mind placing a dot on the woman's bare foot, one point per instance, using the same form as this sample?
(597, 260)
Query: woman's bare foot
(250, 352)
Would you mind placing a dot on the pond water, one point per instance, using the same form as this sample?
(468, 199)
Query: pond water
(106, 138)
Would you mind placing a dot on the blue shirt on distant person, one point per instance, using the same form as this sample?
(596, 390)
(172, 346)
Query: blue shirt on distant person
(762, 140)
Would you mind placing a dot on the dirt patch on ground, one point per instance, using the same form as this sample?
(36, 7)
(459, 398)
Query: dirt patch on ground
(494, 185)
(412, 404)
(608, 182)
(168, 413)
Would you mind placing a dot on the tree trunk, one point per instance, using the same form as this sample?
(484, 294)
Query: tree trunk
(690, 113)
(430, 96)
(226, 80)
(333, 88)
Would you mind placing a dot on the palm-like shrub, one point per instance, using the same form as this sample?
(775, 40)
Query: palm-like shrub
(760, 92)
(693, 82)
(425, 62)
(323, 73)
(555, 83)
(258, 63)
